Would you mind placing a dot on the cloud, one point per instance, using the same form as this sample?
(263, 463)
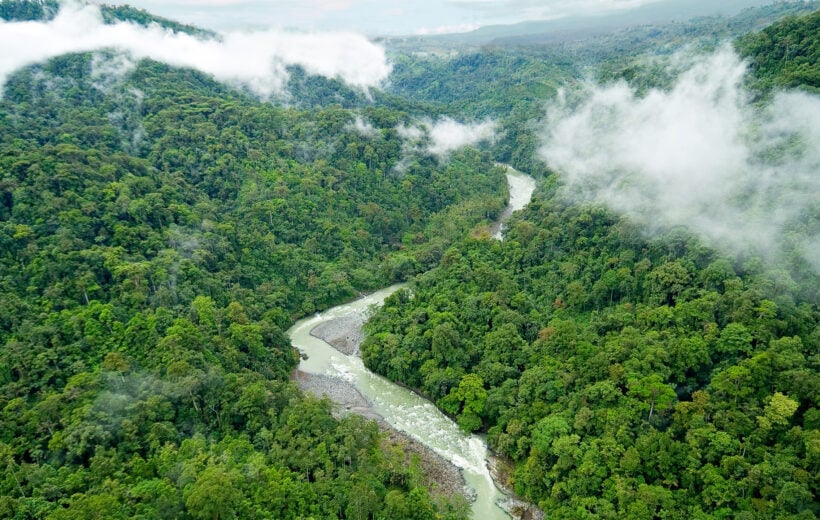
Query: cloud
(410, 133)
(540, 9)
(110, 69)
(256, 60)
(440, 138)
(697, 155)
(446, 135)
(363, 127)
(208, 3)
(448, 29)
(332, 5)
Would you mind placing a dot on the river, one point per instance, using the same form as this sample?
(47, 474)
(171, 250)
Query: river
(401, 408)
(522, 187)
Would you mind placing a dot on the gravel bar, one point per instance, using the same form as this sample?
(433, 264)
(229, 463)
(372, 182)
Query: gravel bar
(345, 333)
(441, 475)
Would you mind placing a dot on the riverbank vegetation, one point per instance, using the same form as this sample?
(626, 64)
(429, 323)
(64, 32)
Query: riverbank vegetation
(626, 376)
(158, 233)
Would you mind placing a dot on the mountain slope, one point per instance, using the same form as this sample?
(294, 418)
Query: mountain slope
(622, 376)
(159, 232)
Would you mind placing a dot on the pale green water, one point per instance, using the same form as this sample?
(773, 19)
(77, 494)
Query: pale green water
(522, 187)
(401, 408)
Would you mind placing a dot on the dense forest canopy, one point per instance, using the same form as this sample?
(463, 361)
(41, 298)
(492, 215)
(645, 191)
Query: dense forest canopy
(159, 231)
(20, 10)
(624, 376)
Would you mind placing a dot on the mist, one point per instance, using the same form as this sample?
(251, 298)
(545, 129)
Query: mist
(363, 127)
(255, 60)
(697, 155)
(446, 135)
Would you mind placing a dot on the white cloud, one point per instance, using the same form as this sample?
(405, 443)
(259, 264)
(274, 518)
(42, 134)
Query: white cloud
(257, 60)
(410, 133)
(446, 135)
(448, 29)
(363, 127)
(698, 155)
(108, 70)
(541, 9)
(440, 138)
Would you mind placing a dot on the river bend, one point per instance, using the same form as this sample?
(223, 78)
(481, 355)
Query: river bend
(401, 408)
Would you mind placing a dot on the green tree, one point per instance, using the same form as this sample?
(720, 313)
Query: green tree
(655, 394)
(213, 495)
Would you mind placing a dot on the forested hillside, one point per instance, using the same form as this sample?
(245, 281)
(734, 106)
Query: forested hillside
(158, 232)
(19, 10)
(624, 376)
(786, 54)
(513, 82)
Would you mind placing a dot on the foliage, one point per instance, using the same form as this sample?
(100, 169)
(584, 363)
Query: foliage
(20, 10)
(624, 377)
(512, 82)
(786, 54)
(159, 233)
(125, 13)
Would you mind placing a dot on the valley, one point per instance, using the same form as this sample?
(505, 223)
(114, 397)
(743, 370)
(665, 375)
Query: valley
(190, 217)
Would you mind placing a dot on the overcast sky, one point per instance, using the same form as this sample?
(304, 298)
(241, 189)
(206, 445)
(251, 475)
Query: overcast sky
(373, 17)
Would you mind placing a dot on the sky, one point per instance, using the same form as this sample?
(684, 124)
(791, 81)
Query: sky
(374, 17)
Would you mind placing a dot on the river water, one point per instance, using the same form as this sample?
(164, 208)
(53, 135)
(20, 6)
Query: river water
(401, 408)
(522, 187)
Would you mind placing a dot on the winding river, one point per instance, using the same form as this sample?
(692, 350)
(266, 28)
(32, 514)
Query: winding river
(398, 406)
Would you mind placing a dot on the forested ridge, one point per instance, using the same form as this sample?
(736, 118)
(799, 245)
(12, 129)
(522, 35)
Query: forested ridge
(27, 10)
(513, 82)
(623, 376)
(786, 54)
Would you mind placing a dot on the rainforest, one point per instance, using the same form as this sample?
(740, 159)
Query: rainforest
(640, 341)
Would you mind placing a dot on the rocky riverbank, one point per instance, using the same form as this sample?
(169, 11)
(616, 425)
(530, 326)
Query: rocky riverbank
(441, 475)
(518, 509)
(341, 392)
(345, 334)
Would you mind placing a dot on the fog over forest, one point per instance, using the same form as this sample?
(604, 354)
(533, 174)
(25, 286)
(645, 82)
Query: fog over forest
(257, 60)
(698, 154)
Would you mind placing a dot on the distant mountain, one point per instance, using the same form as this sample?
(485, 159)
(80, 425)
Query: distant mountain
(579, 27)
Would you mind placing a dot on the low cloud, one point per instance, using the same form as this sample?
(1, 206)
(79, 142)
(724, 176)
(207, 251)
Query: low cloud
(412, 133)
(109, 69)
(256, 60)
(697, 155)
(363, 127)
(549, 9)
(447, 29)
(446, 135)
